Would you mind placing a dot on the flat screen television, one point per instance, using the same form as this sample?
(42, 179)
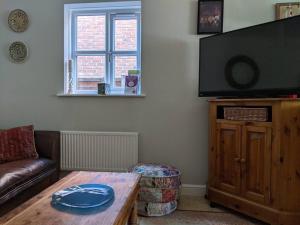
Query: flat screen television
(262, 60)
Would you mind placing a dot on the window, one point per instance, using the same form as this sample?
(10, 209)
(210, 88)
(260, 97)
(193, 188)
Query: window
(102, 42)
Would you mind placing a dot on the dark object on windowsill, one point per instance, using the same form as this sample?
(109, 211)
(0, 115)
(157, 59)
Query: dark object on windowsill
(103, 89)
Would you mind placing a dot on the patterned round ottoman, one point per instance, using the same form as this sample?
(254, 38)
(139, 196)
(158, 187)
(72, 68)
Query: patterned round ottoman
(156, 209)
(158, 195)
(160, 187)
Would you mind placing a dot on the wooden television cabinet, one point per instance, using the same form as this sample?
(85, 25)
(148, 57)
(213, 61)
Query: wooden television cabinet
(254, 167)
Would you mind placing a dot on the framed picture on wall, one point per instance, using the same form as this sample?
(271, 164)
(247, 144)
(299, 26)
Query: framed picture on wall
(210, 16)
(286, 10)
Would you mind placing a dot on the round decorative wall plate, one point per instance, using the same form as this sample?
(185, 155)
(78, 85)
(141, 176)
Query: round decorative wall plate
(18, 52)
(18, 20)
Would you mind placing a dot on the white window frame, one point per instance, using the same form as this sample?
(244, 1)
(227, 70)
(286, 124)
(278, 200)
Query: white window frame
(112, 10)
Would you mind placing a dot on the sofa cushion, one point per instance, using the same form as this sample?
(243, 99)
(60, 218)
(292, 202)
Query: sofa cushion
(18, 175)
(17, 143)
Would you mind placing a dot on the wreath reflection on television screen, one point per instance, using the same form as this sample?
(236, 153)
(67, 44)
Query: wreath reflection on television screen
(242, 72)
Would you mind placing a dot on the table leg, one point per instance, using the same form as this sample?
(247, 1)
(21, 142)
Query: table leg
(133, 218)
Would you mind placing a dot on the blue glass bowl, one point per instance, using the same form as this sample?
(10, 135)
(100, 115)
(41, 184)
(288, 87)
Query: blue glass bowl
(84, 196)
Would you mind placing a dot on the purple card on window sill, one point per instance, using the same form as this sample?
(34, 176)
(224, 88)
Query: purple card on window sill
(131, 84)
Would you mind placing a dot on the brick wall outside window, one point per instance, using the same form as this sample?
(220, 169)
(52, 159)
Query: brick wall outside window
(125, 35)
(91, 32)
(91, 36)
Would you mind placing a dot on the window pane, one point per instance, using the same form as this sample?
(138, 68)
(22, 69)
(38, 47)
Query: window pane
(122, 65)
(90, 71)
(125, 35)
(91, 33)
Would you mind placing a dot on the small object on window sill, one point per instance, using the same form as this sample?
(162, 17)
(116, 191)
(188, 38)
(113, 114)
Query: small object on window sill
(131, 85)
(70, 85)
(70, 77)
(97, 95)
(132, 82)
(103, 89)
(133, 72)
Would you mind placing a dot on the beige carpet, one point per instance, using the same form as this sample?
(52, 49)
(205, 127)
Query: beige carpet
(196, 211)
(197, 218)
(192, 203)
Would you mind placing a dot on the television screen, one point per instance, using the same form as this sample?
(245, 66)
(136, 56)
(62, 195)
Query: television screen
(259, 60)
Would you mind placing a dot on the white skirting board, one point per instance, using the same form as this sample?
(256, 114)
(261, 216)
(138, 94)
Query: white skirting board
(193, 190)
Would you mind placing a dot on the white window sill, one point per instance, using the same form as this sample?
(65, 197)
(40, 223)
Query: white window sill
(105, 96)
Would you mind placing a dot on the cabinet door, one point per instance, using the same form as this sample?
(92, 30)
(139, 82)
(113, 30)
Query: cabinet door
(255, 163)
(228, 157)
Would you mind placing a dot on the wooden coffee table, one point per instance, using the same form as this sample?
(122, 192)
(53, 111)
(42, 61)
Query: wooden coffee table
(38, 210)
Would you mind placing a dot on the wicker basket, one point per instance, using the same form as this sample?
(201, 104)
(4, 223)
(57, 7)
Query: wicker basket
(246, 114)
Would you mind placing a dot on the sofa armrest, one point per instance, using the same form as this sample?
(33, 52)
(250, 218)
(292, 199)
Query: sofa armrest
(48, 145)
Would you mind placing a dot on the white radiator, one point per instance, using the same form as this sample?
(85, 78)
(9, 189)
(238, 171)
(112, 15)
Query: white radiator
(98, 151)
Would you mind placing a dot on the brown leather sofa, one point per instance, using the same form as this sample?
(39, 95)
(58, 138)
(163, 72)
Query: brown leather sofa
(21, 180)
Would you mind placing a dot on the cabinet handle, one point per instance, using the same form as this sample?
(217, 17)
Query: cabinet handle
(237, 160)
(243, 160)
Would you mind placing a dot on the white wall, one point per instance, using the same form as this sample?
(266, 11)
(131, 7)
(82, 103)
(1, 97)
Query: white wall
(172, 120)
